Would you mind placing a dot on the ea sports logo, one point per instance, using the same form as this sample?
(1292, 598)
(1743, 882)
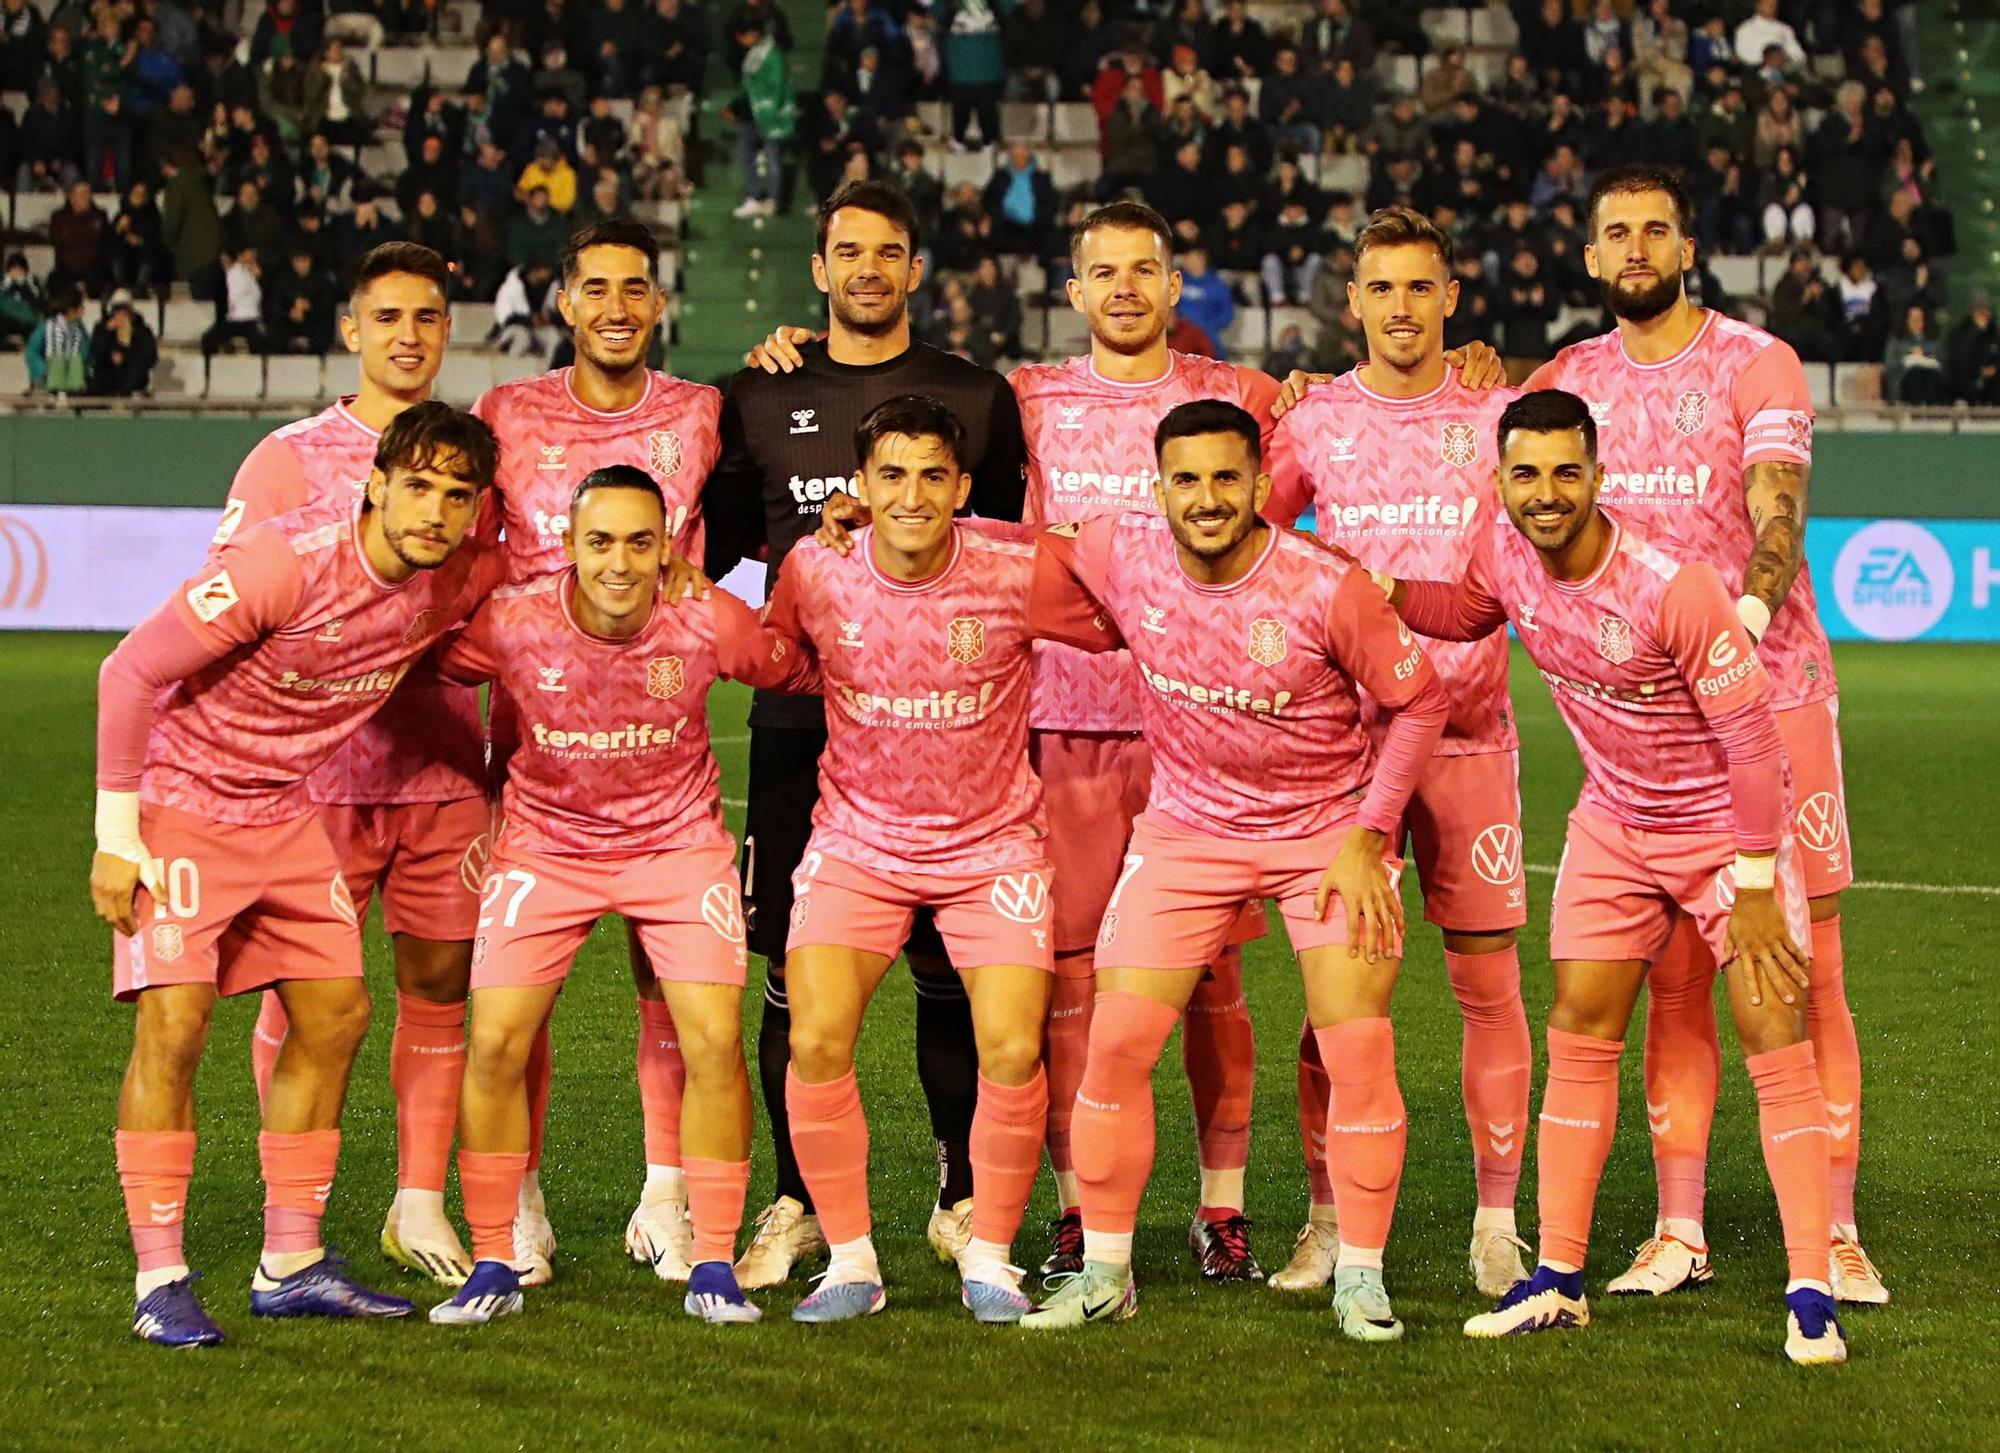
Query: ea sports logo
(722, 910)
(1893, 580)
(1820, 822)
(1022, 897)
(1496, 854)
(27, 565)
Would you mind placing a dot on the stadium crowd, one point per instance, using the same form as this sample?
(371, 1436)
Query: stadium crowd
(241, 162)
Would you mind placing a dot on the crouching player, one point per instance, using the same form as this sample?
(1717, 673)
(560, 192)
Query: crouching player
(612, 805)
(926, 800)
(212, 866)
(1254, 644)
(1683, 811)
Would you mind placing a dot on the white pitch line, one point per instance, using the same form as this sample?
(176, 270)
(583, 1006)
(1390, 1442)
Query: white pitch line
(1972, 890)
(735, 741)
(734, 802)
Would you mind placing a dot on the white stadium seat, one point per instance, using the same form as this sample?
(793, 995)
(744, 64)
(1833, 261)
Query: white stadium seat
(1494, 26)
(1074, 166)
(509, 366)
(465, 376)
(177, 374)
(470, 323)
(1025, 121)
(295, 376)
(1398, 73)
(184, 320)
(1075, 124)
(402, 67)
(32, 211)
(13, 374)
(1446, 27)
(1740, 276)
(235, 376)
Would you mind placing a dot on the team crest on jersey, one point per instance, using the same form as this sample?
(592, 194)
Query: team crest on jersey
(1072, 416)
(965, 639)
(1614, 640)
(1799, 431)
(665, 677)
(1107, 930)
(663, 452)
(1691, 411)
(1458, 445)
(423, 624)
(552, 457)
(168, 944)
(1267, 641)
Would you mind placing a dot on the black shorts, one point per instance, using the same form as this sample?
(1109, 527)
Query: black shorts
(777, 824)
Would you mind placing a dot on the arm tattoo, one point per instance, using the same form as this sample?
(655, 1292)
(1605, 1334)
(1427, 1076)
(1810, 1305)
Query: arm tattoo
(1776, 494)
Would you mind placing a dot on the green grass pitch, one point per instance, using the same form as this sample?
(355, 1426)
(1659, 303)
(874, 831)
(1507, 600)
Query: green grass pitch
(604, 1358)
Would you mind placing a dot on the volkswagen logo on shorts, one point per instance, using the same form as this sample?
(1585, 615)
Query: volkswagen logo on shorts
(1023, 897)
(722, 910)
(1821, 823)
(1496, 854)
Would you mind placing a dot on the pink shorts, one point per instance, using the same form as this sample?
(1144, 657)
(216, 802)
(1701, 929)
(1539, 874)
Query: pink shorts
(1094, 785)
(1182, 891)
(984, 918)
(427, 857)
(1464, 827)
(1620, 889)
(536, 909)
(1812, 742)
(245, 908)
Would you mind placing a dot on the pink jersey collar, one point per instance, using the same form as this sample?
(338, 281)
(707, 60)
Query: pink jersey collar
(1137, 385)
(565, 590)
(569, 387)
(1611, 552)
(910, 587)
(361, 553)
(1270, 548)
(343, 407)
(1707, 322)
(1388, 402)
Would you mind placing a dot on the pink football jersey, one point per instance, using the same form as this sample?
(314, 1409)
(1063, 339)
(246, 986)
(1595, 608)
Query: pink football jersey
(1406, 486)
(427, 744)
(549, 440)
(1090, 454)
(926, 685)
(1676, 439)
(614, 756)
(1638, 657)
(1248, 691)
(309, 642)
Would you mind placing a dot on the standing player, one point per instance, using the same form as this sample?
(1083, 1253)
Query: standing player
(404, 798)
(1393, 459)
(788, 444)
(611, 807)
(1253, 645)
(927, 801)
(1707, 428)
(555, 428)
(1683, 812)
(275, 653)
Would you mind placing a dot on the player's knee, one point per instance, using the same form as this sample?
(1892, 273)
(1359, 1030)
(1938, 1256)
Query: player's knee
(435, 970)
(1011, 1056)
(819, 1051)
(334, 1025)
(1771, 1025)
(711, 1049)
(171, 1032)
(1588, 1018)
(497, 1050)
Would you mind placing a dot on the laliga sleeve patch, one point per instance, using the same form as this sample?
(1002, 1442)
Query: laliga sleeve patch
(212, 597)
(232, 516)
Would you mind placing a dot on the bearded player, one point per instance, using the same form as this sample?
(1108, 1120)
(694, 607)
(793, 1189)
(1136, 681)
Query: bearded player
(404, 798)
(1683, 812)
(554, 429)
(612, 806)
(212, 866)
(1253, 645)
(1396, 459)
(1706, 425)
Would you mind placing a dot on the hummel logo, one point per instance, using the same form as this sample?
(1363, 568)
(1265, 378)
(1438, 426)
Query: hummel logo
(551, 679)
(165, 1213)
(1072, 417)
(1500, 1137)
(1658, 1119)
(331, 630)
(1154, 615)
(850, 633)
(321, 1192)
(1343, 450)
(552, 457)
(1527, 615)
(802, 422)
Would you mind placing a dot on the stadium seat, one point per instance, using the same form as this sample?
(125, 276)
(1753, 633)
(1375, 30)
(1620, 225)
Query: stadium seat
(235, 376)
(449, 64)
(1074, 166)
(1741, 277)
(294, 376)
(402, 67)
(1856, 383)
(41, 258)
(1399, 73)
(177, 374)
(935, 117)
(1345, 173)
(15, 101)
(1447, 27)
(1819, 380)
(1253, 90)
(1488, 67)
(470, 323)
(1024, 121)
(956, 167)
(13, 374)
(1074, 124)
(1030, 281)
(460, 17)
(1292, 317)
(1245, 338)
(465, 376)
(509, 366)
(32, 211)
(670, 271)
(384, 159)
(183, 320)
(1494, 26)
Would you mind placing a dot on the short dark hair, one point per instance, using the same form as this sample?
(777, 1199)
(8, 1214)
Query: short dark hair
(1548, 411)
(425, 433)
(393, 257)
(1126, 217)
(611, 232)
(1400, 227)
(1209, 416)
(870, 196)
(617, 476)
(1635, 179)
(914, 416)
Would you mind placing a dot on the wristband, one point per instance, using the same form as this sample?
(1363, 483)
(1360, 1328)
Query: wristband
(1759, 873)
(1755, 615)
(118, 833)
(1384, 582)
